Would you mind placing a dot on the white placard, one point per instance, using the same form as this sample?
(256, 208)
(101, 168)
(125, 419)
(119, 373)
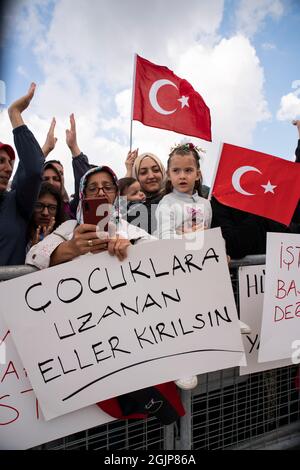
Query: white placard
(96, 328)
(22, 424)
(280, 332)
(251, 295)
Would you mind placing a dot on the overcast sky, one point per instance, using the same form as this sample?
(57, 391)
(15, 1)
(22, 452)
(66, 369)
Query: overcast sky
(242, 56)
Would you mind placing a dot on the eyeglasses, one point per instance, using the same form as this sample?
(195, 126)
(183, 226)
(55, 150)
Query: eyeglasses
(107, 188)
(40, 207)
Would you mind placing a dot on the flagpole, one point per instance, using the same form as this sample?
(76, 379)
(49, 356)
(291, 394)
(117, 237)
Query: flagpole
(215, 171)
(132, 100)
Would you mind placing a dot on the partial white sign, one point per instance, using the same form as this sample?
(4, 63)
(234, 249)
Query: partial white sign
(251, 295)
(281, 313)
(22, 424)
(95, 328)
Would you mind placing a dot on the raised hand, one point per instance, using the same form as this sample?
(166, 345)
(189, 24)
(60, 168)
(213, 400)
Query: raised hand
(47, 229)
(42, 231)
(129, 162)
(71, 137)
(17, 107)
(296, 122)
(50, 139)
(36, 236)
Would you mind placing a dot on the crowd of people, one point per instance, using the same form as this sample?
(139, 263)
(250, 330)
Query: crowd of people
(43, 226)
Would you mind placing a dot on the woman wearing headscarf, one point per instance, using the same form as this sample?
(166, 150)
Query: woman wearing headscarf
(148, 169)
(76, 238)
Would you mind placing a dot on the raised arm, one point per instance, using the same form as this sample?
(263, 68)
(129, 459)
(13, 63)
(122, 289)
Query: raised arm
(297, 152)
(27, 179)
(80, 161)
(131, 157)
(51, 140)
(295, 224)
(71, 137)
(17, 107)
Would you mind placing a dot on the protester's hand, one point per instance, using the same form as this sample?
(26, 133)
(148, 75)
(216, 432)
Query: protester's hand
(22, 103)
(36, 236)
(47, 229)
(129, 162)
(85, 239)
(296, 122)
(17, 107)
(50, 142)
(42, 231)
(118, 246)
(71, 137)
(189, 228)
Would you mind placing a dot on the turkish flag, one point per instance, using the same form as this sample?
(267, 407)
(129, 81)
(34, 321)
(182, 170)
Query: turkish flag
(163, 100)
(258, 183)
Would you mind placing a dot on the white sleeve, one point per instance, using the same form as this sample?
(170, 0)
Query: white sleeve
(166, 223)
(208, 214)
(39, 255)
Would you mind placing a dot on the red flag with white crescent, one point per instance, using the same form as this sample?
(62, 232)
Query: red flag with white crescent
(163, 100)
(258, 183)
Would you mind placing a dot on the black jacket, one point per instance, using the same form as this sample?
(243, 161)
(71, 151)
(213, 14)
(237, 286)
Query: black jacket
(142, 214)
(244, 233)
(295, 224)
(16, 205)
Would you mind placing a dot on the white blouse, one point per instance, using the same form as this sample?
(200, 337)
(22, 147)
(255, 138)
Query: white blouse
(39, 255)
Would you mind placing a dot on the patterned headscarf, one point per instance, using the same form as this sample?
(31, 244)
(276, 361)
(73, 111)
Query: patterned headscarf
(83, 182)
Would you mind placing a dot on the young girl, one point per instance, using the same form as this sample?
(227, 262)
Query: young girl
(183, 209)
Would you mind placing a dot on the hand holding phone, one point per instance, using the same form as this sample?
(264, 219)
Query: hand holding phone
(96, 211)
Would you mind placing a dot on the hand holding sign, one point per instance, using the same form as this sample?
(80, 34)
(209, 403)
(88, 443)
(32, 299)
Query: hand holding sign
(118, 246)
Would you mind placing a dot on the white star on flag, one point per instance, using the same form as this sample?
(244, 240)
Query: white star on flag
(269, 188)
(184, 101)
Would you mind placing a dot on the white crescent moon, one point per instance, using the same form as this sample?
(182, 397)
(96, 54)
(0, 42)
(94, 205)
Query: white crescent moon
(236, 177)
(153, 95)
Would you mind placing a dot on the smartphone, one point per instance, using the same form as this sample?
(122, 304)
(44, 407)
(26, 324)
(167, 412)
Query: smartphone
(96, 212)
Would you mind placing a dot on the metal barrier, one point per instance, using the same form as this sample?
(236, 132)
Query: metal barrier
(225, 411)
